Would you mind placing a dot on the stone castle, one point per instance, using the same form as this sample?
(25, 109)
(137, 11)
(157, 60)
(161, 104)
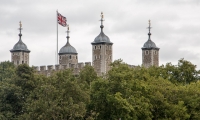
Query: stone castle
(102, 54)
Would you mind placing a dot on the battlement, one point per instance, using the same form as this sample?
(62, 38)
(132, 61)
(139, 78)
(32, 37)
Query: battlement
(49, 69)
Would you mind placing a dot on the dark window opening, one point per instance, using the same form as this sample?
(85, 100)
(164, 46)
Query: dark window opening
(146, 52)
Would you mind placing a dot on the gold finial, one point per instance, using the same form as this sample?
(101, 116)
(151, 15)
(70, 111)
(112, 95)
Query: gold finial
(20, 24)
(102, 15)
(149, 22)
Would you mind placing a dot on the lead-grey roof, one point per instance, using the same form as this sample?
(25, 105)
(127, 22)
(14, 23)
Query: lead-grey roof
(20, 46)
(149, 44)
(68, 49)
(102, 38)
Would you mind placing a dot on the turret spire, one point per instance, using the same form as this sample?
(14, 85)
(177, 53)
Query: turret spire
(20, 28)
(102, 16)
(149, 30)
(68, 34)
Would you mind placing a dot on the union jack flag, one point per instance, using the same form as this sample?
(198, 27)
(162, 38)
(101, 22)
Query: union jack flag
(61, 20)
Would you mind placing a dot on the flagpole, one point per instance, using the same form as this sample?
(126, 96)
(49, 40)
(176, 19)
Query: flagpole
(57, 35)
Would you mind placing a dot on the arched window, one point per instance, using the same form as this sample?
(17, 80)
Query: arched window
(100, 46)
(95, 47)
(70, 57)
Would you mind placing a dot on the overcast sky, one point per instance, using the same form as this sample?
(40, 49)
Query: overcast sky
(175, 28)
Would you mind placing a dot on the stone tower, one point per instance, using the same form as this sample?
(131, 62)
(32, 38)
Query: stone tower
(67, 54)
(101, 51)
(20, 52)
(150, 53)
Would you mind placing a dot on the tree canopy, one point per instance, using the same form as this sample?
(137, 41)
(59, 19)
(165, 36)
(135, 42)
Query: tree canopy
(165, 92)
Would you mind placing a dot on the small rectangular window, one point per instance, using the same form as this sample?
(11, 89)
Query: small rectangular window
(146, 52)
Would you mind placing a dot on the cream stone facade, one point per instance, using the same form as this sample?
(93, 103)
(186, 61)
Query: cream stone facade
(20, 57)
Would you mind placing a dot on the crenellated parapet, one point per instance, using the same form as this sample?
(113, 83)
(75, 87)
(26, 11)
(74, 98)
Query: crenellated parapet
(49, 69)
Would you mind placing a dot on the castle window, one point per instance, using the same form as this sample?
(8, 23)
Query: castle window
(22, 62)
(100, 46)
(17, 62)
(155, 52)
(95, 47)
(95, 57)
(146, 52)
(76, 57)
(60, 57)
(70, 57)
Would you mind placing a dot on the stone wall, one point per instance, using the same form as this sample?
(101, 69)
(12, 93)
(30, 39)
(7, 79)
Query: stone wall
(20, 58)
(65, 59)
(150, 58)
(50, 69)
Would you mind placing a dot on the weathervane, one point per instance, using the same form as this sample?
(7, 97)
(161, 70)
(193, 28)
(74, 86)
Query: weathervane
(20, 26)
(149, 25)
(68, 27)
(102, 16)
(67, 32)
(149, 29)
(149, 22)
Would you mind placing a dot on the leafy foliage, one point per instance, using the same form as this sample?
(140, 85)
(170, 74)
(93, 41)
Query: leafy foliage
(165, 92)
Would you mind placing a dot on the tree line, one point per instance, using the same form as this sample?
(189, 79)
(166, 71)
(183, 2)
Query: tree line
(168, 92)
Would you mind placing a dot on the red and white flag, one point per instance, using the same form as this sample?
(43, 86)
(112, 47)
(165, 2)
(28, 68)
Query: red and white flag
(61, 20)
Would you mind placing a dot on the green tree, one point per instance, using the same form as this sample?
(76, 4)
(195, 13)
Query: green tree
(58, 97)
(119, 96)
(7, 70)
